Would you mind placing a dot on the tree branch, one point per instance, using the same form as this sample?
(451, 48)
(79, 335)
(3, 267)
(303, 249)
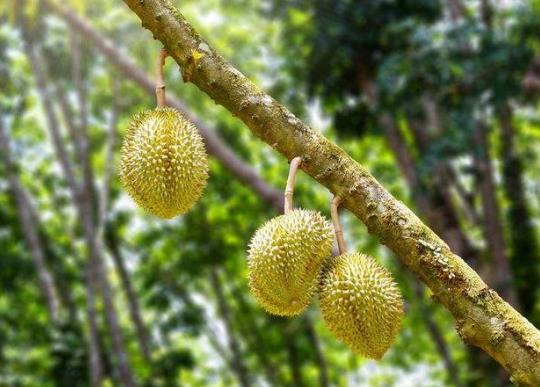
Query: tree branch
(482, 317)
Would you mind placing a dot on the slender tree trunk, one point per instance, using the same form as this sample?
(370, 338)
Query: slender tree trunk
(30, 229)
(133, 303)
(436, 335)
(237, 361)
(95, 365)
(88, 209)
(311, 334)
(256, 340)
(295, 363)
(524, 244)
(95, 273)
(499, 274)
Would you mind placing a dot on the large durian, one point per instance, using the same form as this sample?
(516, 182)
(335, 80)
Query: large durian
(164, 166)
(285, 256)
(360, 303)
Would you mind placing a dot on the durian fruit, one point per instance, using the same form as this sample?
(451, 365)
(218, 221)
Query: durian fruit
(164, 166)
(285, 256)
(360, 303)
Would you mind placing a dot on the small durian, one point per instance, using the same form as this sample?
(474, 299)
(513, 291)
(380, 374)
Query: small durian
(360, 303)
(285, 256)
(164, 166)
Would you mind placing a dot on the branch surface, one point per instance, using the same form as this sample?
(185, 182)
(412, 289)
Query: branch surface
(482, 317)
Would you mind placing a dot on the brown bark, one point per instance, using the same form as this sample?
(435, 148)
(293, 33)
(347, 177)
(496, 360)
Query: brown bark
(482, 317)
(30, 230)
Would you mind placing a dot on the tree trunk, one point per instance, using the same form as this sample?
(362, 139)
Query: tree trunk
(256, 340)
(499, 273)
(223, 308)
(30, 229)
(436, 335)
(87, 210)
(95, 273)
(524, 244)
(295, 363)
(320, 361)
(482, 317)
(133, 303)
(95, 365)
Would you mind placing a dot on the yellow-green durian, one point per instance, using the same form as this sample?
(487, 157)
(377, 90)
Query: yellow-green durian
(360, 303)
(285, 256)
(164, 166)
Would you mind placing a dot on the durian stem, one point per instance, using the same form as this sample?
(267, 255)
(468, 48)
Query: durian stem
(160, 83)
(289, 189)
(337, 225)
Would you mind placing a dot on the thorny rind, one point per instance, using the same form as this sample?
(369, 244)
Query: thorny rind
(517, 343)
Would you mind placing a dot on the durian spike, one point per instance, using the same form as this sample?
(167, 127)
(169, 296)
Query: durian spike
(334, 211)
(289, 189)
(160, 83)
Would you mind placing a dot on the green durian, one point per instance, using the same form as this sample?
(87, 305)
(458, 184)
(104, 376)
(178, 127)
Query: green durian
(360, 303)
(285, 256)
(163, 166)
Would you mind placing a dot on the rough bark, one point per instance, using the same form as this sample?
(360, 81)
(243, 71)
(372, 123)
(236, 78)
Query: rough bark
(239, 367)
(30, 229)
(214, 144)
(482, 317)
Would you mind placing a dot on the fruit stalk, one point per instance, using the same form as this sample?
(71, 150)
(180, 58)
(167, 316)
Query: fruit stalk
(160, 83)
(289, 189)
(337, 225)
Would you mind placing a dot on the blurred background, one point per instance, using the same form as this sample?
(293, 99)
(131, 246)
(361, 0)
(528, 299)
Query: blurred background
(438, 99)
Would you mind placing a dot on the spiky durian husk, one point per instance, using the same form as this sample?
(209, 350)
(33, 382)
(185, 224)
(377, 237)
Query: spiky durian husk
(164, 166)
(285, 255)
(361, 303)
